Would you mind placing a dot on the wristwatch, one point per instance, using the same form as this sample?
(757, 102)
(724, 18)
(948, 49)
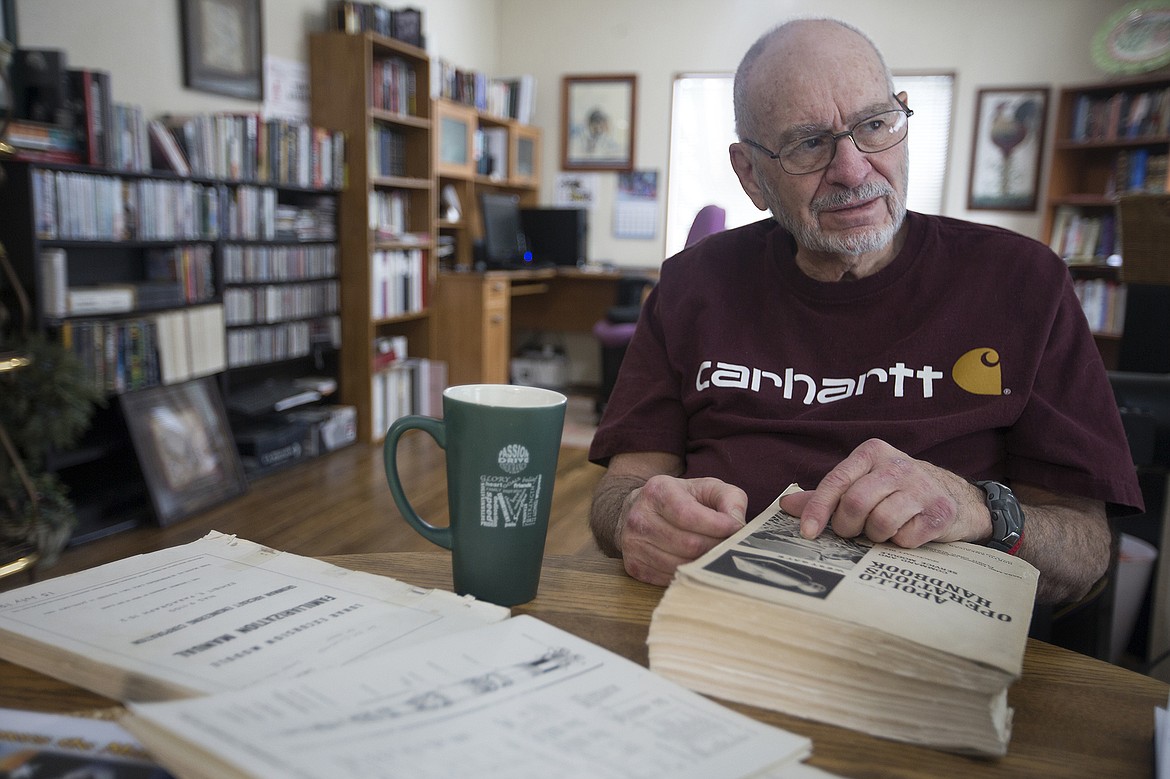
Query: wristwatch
(1007, 518)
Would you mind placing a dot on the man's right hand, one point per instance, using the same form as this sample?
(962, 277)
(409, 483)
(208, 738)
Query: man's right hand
(669, 521)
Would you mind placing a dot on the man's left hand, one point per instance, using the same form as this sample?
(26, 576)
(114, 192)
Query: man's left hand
(886, 495)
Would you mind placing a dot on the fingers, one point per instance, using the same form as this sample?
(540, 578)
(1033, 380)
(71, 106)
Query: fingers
(885, 495)
(670, 521)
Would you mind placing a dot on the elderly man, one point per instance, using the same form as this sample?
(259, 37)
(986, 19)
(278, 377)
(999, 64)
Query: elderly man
(903, 368)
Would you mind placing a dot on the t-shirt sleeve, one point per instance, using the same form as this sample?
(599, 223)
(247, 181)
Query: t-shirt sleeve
(1069, 436)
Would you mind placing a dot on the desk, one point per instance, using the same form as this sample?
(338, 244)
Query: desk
(1075, 716)
(476, 313)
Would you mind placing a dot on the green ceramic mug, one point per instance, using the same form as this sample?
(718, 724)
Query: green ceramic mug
(501, 443)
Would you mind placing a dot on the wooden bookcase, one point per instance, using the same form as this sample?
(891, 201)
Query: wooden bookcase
(472, 310)
(376, 90)
(1112, 138)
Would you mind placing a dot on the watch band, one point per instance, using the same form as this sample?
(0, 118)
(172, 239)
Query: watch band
(1007, 518)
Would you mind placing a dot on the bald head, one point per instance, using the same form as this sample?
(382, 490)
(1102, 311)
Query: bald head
(800, 59)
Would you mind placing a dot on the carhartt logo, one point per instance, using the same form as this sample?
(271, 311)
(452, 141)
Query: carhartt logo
(978, 372)
(513, 458)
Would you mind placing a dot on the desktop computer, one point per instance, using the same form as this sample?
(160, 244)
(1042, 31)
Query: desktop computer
(556, 235)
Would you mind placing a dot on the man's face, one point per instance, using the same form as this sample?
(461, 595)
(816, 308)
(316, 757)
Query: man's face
(857, 204)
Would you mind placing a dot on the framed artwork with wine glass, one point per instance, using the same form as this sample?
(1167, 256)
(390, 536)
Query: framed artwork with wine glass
(1008, 148)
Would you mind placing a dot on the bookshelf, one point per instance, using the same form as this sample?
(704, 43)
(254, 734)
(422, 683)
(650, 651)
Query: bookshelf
(1112, 138)
(132, 271)
(477, 151)
(376, 90)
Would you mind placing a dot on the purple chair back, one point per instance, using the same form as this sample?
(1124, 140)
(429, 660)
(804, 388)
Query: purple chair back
(710, 219)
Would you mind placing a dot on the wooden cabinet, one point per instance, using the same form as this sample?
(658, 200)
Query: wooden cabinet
(1112, 138)
(476, 152)
(375, 89)
(474, 313)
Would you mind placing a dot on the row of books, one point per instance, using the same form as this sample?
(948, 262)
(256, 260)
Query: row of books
(397, 282)
(84, 206)
(71, 205)
(272, 303)
(244, 264)
(1103, 301)
(506, 98)
(286, 341)
(394, 86)
(77, 121)
(316, 221)
(1138, 170)
(254, 213)
(68, 115)
(1144, 114)
(248, 147)
(387, 151)
(389, 212)
(121, 355)
(411, 385)
(1080, 237)
(350, 16)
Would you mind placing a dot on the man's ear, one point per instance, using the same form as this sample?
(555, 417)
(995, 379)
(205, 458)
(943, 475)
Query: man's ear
(745, 171)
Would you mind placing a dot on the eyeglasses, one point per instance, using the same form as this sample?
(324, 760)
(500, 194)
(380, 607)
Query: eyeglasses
(815, 152)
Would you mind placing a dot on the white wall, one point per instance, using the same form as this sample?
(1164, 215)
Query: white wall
(986, 42)
(139, 41)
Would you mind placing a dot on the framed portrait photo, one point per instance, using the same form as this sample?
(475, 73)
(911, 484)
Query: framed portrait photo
(188, 457)
(223, 47)
(1008, 148)
(597, 122)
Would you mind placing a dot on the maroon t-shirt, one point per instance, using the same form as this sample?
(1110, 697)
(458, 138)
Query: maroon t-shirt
(970, 351)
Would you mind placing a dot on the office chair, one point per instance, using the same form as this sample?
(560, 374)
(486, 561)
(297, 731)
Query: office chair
(1086, 626)
(617, 328)
(614, 331)
(710, 219)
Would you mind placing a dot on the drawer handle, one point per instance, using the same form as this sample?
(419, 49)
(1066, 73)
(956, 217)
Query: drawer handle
(497, 319)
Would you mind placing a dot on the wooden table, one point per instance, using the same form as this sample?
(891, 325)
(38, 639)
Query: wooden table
(1075, 716)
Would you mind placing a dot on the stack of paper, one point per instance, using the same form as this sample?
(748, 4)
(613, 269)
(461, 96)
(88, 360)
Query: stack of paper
(918, 645)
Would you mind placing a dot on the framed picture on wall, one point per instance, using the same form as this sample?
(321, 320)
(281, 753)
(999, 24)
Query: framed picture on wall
(187, 453)
(597, 122)
(223, 47)
(1007, 149)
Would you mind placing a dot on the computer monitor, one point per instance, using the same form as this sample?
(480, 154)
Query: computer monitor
(556, 235)
(504, 244)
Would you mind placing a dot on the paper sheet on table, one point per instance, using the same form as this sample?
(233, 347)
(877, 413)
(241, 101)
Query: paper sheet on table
(518, 698)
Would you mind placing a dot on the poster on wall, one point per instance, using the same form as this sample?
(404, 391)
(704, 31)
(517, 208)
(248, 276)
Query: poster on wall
(286, 89)
(576, 190)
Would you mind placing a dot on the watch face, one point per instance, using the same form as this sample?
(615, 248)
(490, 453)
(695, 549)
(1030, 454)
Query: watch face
(1134, 40)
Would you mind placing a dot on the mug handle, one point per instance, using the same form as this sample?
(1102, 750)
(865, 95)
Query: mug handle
(437, 430)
